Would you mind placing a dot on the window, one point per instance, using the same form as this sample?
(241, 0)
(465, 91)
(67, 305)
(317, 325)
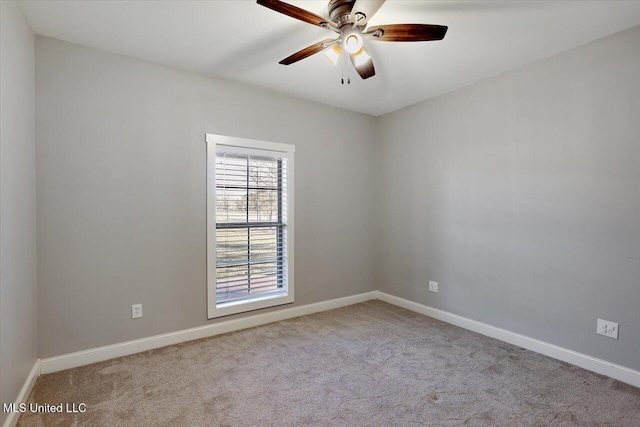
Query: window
(249, 224)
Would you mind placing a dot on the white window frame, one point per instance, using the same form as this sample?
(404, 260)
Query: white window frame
(257, 147)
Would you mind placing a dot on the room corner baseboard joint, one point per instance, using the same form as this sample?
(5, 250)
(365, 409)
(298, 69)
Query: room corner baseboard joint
(12, 418)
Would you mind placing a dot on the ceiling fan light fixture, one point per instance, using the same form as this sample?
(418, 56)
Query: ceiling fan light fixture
(352, 41)
(333, 54)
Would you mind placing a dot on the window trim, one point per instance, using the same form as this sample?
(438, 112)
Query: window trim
(264, 301)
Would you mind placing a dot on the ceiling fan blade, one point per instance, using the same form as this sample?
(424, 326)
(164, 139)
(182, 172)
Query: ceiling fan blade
(297, 13)
(406, 32)
(363, 64)
(368, 8)
(307, 51)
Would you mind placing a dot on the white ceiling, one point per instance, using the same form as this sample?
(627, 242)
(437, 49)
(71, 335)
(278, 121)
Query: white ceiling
(242, 41)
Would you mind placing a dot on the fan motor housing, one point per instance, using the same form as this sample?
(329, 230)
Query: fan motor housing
(339, 11)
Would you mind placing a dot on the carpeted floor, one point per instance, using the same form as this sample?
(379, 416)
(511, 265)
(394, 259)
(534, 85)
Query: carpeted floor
(371, 364)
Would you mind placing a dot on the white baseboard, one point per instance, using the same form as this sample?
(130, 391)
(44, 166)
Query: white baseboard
(72, 360)
(12, 418)
(99, 354)
(620, 373)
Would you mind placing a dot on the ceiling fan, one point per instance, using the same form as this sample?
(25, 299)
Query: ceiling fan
(348, 18)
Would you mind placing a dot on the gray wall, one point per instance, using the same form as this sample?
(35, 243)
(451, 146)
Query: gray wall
(520, 195)
(121, 193)
(18, 345)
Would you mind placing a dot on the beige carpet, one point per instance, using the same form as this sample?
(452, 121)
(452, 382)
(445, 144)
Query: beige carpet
(369, 364)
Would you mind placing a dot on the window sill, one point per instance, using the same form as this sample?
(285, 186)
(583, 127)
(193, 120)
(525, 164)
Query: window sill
(250, 304)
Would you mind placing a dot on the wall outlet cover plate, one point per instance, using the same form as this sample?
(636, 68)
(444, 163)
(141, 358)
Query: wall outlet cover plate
(136, 311)
(607, 328)
(433, 286)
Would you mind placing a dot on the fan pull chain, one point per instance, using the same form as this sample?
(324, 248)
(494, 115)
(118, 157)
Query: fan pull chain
(342, 62)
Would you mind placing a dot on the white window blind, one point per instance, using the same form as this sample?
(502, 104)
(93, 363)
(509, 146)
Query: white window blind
(250, 257)
(251, 225)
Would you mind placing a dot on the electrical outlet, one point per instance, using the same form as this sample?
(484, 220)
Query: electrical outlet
(136, 311)
(608, 329)
(433, 286)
